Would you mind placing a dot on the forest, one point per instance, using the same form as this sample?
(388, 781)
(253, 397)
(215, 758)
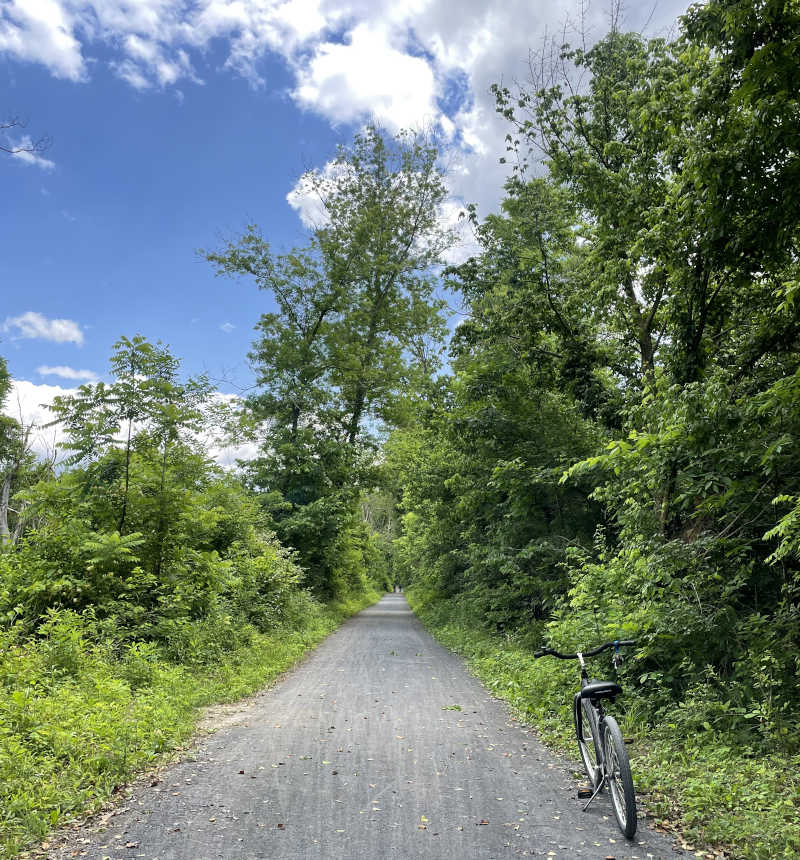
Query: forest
(586, 430)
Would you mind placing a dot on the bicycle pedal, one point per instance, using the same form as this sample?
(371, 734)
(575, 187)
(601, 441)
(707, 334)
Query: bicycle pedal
(584, 793)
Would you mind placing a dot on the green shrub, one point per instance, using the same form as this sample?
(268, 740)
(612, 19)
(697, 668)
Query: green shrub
(692, 763)
(79, 715)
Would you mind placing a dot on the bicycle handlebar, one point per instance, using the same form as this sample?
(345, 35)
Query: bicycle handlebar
(544, 652)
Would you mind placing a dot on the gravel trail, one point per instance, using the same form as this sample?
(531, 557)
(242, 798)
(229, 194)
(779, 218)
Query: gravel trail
(379, 745)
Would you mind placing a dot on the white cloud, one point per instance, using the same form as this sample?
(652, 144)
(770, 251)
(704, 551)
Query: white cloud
(147, 64)
(43, 31)
(29, 404)
(35, 325)
(67, 372)
(422, 62)
(227, 327)
(369, 76)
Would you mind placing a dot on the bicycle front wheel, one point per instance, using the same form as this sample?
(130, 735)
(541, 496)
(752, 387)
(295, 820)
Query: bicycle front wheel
(620, 779)
(587, 730)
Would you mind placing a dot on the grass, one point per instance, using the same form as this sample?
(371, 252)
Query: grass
(78, 720)
(720, 798)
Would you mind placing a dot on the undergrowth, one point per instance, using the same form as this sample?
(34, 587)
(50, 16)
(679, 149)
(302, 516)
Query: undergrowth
(78, 717)
(715, 792)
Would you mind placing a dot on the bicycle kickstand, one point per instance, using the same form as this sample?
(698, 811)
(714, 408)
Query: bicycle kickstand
(596, 792)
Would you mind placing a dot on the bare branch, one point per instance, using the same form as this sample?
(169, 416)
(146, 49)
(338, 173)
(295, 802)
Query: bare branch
(34, 147)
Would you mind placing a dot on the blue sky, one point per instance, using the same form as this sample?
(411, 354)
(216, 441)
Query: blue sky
(174, 124)
(109, 236)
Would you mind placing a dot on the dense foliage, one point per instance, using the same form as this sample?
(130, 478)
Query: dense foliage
(138, 581)
(616, 451)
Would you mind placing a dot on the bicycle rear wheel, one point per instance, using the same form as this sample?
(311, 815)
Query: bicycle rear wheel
(586, 727)
(620, 779)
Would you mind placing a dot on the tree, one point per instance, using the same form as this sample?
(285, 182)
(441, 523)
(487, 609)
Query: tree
(585, 111)
(636, 310)
(144, 402)
(355, 301)
(340, 353)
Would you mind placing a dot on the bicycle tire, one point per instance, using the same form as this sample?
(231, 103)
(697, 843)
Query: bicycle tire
(586, 728)
(620, 779)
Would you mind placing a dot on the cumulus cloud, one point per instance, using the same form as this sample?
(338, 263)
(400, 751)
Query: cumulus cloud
(29, 404)
(411, 64)
(43, 31)
(67, 372)
(369, 75)
(34, 325)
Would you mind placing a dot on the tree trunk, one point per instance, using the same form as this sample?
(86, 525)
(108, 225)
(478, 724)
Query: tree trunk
(358, 409)
(161, 517)
(127, 477)
(644, 335)
(5, 495)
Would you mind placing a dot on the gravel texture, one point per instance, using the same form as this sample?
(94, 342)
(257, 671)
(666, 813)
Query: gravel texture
(379, 745)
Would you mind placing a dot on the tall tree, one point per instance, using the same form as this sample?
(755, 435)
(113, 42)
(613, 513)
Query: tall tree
(352, 304)
(340, 353)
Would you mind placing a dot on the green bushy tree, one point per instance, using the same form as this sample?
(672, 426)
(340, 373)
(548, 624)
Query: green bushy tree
(344, 351)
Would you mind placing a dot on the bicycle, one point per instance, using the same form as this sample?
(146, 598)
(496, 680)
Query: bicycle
(600, 740)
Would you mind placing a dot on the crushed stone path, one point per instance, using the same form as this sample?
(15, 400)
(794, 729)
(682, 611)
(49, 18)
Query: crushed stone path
(379, 745)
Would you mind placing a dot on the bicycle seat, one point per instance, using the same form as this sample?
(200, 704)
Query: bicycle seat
(600, 690)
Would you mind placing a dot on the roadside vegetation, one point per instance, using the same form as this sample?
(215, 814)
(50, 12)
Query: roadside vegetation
(615, 454)
(139, 580)
(82, 713)
(712, 790)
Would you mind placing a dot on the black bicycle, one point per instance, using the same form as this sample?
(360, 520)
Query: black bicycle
(600, 741)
